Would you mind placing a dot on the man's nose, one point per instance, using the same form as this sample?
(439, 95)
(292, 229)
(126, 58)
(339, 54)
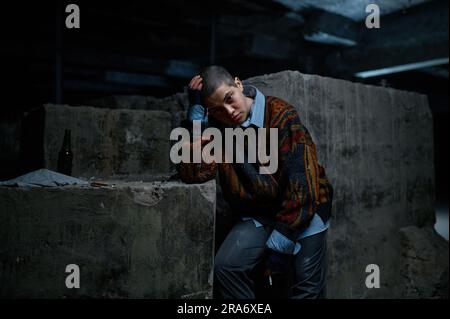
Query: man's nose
(229, 109)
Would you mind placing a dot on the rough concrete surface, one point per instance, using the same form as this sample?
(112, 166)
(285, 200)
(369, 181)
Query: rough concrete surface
(425, 264)
(109, 142)
(134, 240)
(171, 104)
(376, 145)
(176, 104)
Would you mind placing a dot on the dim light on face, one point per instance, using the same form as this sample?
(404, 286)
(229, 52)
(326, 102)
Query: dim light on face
(228, 104)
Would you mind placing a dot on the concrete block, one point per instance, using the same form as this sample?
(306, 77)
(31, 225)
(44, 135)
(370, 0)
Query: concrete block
(376, 145)
(134, 240)
(424, 265)
(10, 134)
(108, 142)
(177, 104)
(171, 104)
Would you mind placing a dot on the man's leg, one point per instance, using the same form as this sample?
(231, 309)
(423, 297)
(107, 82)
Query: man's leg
(310, 268)
(237, 256)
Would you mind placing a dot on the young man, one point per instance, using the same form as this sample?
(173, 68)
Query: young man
(283, 216)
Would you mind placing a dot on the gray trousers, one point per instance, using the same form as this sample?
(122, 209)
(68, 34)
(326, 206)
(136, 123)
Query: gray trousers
(243, 249)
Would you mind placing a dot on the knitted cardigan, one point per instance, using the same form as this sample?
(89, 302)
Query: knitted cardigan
(286, 200)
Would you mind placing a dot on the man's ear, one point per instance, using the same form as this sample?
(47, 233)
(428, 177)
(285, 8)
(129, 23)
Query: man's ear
(238, 83)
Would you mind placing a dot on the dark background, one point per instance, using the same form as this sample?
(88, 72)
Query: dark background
(154, 48)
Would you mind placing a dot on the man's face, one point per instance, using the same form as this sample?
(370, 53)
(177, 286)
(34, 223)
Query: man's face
(228, 104)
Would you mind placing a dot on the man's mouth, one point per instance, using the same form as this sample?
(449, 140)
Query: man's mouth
(235, 117)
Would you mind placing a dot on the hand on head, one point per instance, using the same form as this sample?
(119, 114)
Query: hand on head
(196, 83)
(194, 90)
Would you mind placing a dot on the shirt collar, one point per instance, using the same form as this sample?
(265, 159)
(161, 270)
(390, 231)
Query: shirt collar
(256, 116)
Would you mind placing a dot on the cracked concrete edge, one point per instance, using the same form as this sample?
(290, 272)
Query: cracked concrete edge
(425, 265)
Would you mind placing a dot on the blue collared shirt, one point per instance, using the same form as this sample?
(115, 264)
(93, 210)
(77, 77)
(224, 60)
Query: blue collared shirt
(276, 241)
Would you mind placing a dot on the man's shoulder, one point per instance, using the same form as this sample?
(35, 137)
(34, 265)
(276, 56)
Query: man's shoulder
(285, 116)
(279, 105)
(280, 109)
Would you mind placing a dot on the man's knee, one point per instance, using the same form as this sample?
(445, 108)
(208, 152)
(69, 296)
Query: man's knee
(311, 269)
(223, 265)
(220, 266)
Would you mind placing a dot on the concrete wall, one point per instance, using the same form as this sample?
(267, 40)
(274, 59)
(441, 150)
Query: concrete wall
(172, 104)
(10, 131)
(134, 240)
(377, 147)
(176, 104)
(108, 142)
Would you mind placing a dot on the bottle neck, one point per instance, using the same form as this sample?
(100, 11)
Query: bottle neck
(67, 140)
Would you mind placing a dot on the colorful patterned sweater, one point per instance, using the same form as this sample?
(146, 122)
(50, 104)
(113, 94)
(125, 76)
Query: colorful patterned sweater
(286, 200)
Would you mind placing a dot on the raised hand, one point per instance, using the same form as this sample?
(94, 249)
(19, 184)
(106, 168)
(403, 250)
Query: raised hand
(196, 83)
(194, 89)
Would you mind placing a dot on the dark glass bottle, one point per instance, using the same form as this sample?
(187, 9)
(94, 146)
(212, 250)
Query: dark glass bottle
(65, 156)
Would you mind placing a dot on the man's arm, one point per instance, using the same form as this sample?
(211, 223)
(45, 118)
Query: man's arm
(260, 187)
(299, 177)
(196, 172)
